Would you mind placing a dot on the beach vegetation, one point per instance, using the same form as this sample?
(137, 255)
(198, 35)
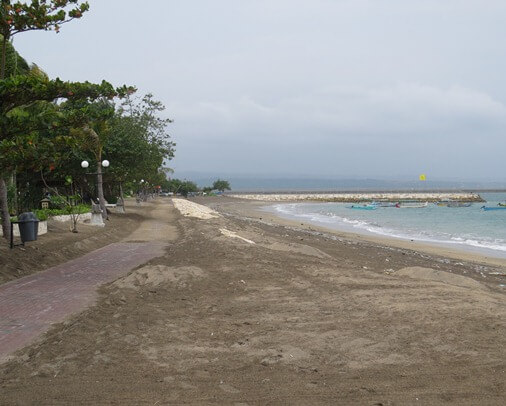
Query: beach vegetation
(138, 144)
(182, 187)
(221, 185)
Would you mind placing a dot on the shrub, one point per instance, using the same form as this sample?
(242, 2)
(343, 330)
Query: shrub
(43, 214)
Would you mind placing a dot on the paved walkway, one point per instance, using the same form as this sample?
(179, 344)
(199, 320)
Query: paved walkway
(28, 306)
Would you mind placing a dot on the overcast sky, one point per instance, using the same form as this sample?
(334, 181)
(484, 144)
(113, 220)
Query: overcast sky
(343, 88)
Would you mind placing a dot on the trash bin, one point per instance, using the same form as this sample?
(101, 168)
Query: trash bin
(28, 226)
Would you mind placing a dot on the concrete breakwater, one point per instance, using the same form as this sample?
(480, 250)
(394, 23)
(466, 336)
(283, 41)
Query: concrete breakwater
(364, 197)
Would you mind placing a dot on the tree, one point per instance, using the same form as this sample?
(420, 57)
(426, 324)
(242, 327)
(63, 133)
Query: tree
(221, 185)
(17, 17)
(138, 144)
(92, 121)
(182, 186)
(19, 95)
(15, 64)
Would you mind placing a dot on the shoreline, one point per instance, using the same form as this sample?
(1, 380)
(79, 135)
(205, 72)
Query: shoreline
(255, 209)
(452, 246)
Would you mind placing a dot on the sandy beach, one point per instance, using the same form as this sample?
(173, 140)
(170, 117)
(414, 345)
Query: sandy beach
(256, 210)
(245, 308)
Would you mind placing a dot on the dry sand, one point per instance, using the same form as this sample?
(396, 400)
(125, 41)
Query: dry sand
(299, 317)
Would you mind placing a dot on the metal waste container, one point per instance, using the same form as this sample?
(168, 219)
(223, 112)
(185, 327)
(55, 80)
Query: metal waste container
(28, 226)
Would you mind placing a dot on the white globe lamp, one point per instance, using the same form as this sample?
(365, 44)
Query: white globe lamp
(105, 163)
(84, 164)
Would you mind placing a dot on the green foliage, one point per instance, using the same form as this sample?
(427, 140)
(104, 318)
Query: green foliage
(188, 187)
(221, 185)
(35, 133)
(112, 199)
(48, 126)
(17, 16)
(138, 144)
(44, 214)
(182, 186)
(14, 63)
(58, 201)
(22, 90)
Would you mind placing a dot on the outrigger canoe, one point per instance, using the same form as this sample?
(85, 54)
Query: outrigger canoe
(363, 207)
(453, 203)
(411, 205)
(493, 208)
(384, 204)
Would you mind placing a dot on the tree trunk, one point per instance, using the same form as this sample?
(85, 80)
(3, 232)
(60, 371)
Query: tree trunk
(4, 209)
(100, 190)
(121, 195)
(14, 184)
(4, 203)
(3, 61)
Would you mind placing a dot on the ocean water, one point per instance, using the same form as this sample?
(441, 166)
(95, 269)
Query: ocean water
(467, 228)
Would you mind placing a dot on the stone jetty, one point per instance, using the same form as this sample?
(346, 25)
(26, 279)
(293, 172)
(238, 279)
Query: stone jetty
(348, 197)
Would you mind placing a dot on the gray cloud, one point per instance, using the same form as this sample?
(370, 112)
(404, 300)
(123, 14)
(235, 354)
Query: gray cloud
(345, 88)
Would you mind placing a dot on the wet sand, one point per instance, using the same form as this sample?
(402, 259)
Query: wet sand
(251, 209)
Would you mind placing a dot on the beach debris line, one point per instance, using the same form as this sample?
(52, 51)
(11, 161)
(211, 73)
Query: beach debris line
(191, 209)
(231, 234)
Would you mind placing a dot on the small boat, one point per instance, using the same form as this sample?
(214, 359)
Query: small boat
(384, 204)
(411, 205)
(364, 207)
(459, 204)
(501, 204)
(493, 208)
(453, 203)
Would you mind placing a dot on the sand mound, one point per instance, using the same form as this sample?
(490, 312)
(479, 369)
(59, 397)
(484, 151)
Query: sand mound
(190, 209)
(419, 272)
(154, 275)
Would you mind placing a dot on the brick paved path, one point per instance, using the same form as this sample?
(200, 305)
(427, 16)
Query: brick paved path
(28, 306)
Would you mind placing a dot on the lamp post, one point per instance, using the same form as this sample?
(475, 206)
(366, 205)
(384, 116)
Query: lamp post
(100, 191)
(143, 190)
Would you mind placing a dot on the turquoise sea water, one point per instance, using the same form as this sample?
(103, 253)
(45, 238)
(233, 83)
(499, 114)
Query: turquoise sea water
(468, 228)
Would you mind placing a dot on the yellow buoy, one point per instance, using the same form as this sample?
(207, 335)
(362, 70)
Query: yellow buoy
(422, 177)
